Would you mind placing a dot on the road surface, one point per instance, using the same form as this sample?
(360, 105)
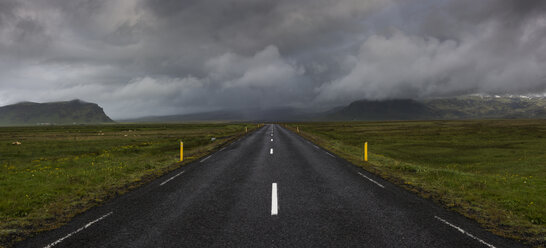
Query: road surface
(272, 188)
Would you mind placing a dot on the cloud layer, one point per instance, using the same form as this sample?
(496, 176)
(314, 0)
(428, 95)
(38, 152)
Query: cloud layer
(151, 57)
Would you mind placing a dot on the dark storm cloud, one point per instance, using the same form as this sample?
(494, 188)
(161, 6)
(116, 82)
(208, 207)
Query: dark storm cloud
(141, 57)
(449, 48)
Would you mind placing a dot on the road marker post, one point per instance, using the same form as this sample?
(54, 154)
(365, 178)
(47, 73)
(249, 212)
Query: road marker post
(298, 128)
(365, 153)
(181, 151)
(246, 130)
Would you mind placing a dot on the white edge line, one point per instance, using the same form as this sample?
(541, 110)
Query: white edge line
(464, 232)
(222, 149)
(274, 200)
(203, 160)
(316, 146)
(330, 155)
(371, 180)
(79, 230)
(166, 181)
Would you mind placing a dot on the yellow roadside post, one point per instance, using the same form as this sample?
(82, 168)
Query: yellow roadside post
(298, 128)
(181, 151)
(246, 130)
(365, 151)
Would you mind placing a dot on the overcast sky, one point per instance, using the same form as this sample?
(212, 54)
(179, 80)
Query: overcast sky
(155, 57)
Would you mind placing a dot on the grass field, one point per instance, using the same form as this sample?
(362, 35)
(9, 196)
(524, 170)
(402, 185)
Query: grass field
(59, 171)
(493, 171)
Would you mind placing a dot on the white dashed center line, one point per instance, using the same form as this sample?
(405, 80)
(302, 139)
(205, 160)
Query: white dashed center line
(166, 181)
(203, 160)
(463, 231)
(271, 140)
(274, 200)
(271, 151)
(371, 180)
(77, 231)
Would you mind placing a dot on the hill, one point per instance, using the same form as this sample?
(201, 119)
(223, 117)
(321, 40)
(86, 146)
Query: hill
(52, 113)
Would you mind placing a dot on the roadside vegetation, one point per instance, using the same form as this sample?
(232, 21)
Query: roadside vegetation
(49, 174)
(493, 171)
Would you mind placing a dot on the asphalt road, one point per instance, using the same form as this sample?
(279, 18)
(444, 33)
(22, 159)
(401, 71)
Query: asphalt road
(272, 188)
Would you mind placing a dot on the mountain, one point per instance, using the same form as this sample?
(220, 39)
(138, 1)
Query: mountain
(490, 107)
(222, 115)
(464, 107)
(52, 113)
(399, 109)
(272, 114)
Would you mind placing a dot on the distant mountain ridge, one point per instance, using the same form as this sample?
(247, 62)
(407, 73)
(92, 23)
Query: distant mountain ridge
(398, 109)
(465, 107)
(489, 107)
(272, 114)
(52, 113)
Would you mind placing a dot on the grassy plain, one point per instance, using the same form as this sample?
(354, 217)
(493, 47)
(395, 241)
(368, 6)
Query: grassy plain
(58, 171)
(493, 171)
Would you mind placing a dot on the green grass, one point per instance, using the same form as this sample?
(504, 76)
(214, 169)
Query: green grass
(493, 171)
(57, 172)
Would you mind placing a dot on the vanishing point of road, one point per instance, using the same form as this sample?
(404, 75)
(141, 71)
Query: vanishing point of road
(271, 188)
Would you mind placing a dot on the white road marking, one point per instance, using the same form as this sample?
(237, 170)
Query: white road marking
(77, 231)
(166, 181)
(274, 201)
(316, 146)
(271, 151)
(271, 140)
(222, 149)
(373, 181)
(330, 155)
(203, 160)
(271, 135)
(465, 232)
